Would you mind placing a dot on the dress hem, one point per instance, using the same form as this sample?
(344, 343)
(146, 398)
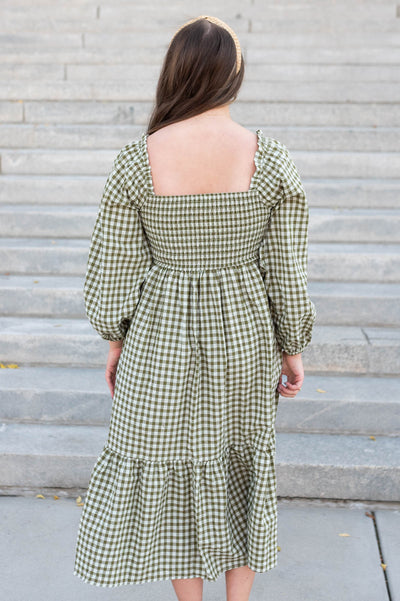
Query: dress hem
(240, 563)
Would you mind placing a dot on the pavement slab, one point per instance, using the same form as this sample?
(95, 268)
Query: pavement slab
(315, 563)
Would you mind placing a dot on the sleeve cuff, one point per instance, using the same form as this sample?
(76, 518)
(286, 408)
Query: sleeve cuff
(111, 338)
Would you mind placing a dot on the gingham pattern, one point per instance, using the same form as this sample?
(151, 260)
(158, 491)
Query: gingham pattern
(205, 290)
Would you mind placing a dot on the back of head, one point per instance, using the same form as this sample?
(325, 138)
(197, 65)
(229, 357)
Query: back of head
(202, 69)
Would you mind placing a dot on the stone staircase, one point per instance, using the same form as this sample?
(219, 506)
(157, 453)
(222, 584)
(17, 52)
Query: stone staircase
(76, 84)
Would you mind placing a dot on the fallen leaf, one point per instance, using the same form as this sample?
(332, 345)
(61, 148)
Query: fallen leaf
(2, 366)
(80, 504)
(36, 281)
(12, 365)
(279, 548)
(344, 534)
(372, 438)
(320, 390)
(56, 497)
(79, 499)
(40, 496)
(383, 565)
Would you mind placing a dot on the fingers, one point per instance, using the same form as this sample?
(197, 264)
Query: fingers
(290, 390)
(110, 379)
(111, 368)
(287, 394)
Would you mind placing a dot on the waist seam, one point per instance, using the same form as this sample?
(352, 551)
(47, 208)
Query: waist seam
(253, 258)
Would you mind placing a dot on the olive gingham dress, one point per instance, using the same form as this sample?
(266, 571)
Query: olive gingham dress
(206, 290)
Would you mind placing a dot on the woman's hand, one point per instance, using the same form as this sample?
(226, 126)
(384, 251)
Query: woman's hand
(292, 367)
(112, 363)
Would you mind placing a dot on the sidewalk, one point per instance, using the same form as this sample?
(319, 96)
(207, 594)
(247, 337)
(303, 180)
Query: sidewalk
(315, 563)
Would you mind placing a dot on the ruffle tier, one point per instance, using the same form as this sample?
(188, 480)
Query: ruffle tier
(148, 520)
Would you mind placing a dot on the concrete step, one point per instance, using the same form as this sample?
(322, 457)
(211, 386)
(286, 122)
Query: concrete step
(58, 341)
(29, 41)
(71, 51)
(108, 23)
(277, 73)
(80, 396)
(108, 27)
(146, 35)
(140, 20)
(51, 341)
(42, 296)
(350, 350)
(325, 225)
(360, 139)
(256, 91)
(321, 164)
(337, 466)
(41, 256)
(19, 13)
(67, 189)
(355, 303)
(308, 465)
(55, 395)
(145, 9)
(349, 405)
(283, 113)
(367, 54)
(39, 221)
(54, 162)
(11, 111)
(26, 71)
(120, 18)
(119, 32)
(353, 225)
(337, 303)
(327, 262)
(310, 113)
(324, 21)
(92, 137)
(353, 193)
(143, 90)
(73, 48)
(354, 262)
(75, 190)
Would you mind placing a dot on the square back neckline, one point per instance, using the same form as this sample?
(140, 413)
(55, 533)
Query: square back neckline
(247, 192)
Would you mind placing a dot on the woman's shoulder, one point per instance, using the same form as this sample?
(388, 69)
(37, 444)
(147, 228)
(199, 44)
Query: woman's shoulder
(130, 170)
(277, 169)
(271, 164)
(132, 153)
(272, 147)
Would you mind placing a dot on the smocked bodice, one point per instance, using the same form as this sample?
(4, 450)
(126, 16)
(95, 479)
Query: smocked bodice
(205, 232)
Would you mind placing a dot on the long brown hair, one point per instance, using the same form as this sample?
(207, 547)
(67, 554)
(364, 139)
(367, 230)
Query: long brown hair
(198, 74)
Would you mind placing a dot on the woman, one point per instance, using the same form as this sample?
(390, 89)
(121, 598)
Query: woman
(197, 277)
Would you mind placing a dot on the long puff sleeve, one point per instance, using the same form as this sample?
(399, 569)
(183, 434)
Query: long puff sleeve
(119, 257)
(284, 258)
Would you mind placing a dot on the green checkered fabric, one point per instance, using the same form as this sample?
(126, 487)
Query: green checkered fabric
(206, 290)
